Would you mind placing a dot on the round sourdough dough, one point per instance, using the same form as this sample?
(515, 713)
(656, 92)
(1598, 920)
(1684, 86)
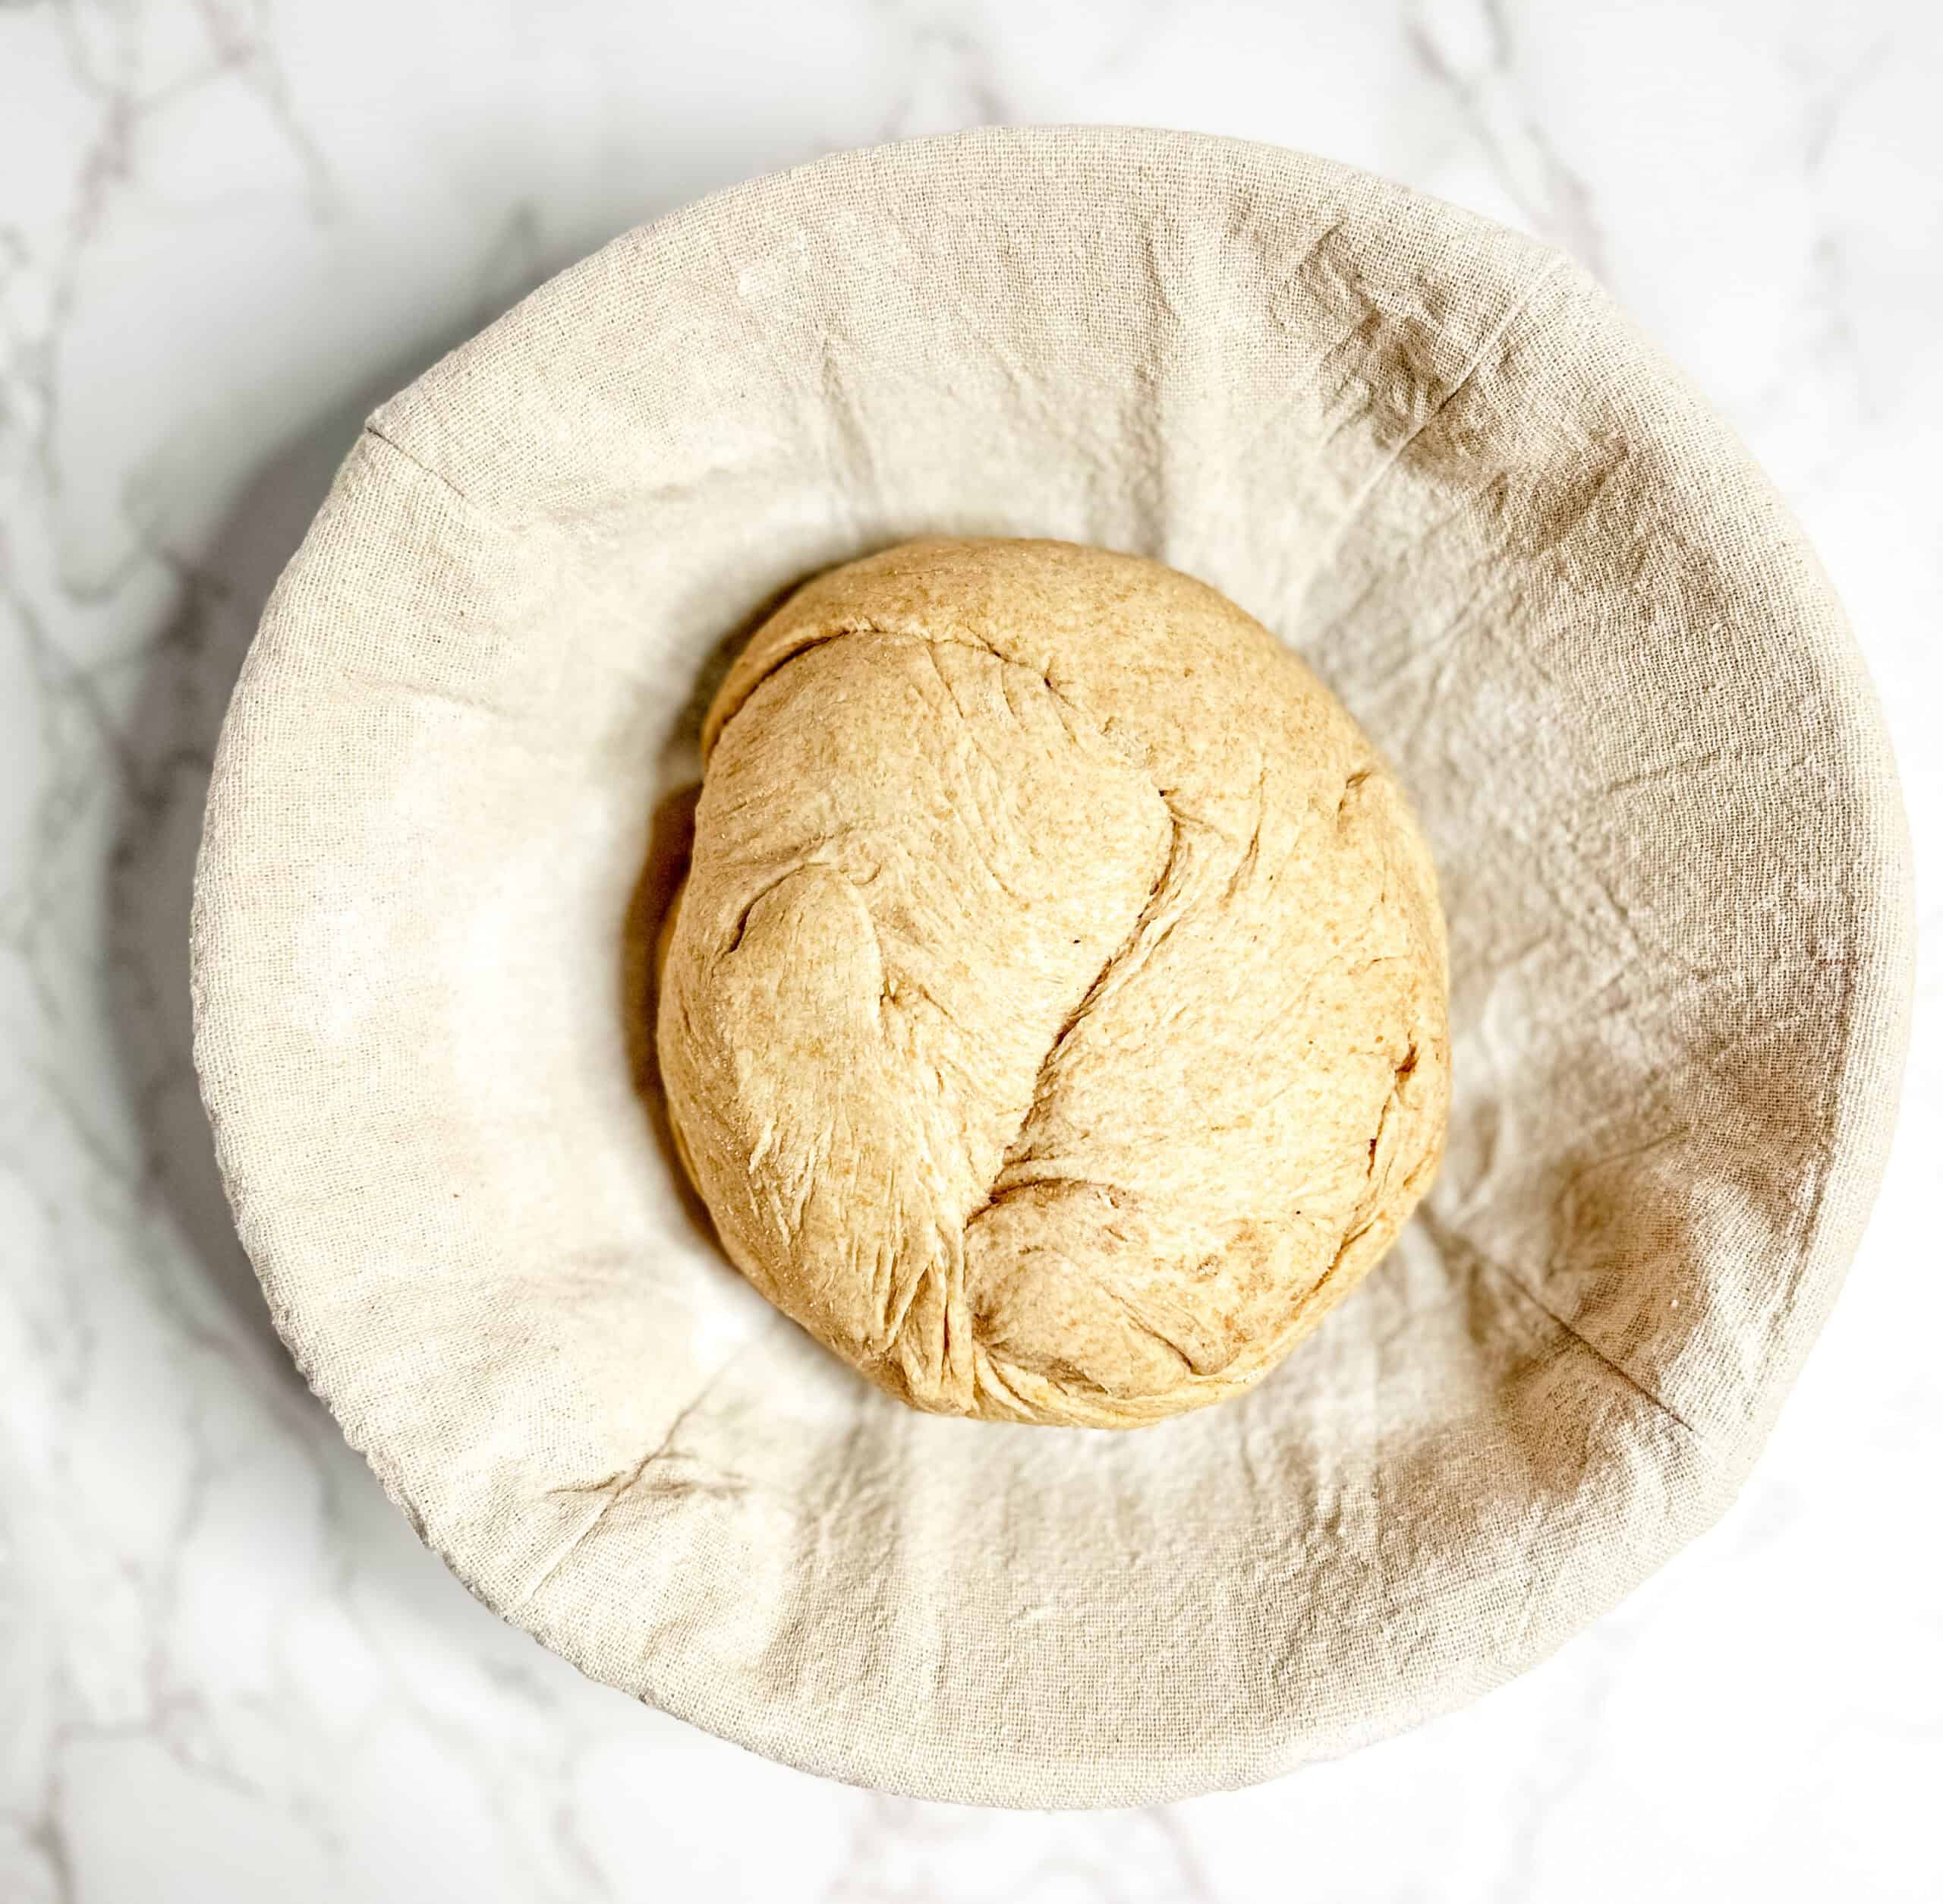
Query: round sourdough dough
(1053, 1019)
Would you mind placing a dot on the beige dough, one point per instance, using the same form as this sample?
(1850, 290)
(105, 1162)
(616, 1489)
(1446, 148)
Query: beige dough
(1053, 1019)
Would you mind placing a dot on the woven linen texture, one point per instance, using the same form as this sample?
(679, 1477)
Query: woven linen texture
(1425, 451)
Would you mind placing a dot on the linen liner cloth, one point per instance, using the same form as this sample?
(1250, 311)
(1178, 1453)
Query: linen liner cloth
(1430, 454)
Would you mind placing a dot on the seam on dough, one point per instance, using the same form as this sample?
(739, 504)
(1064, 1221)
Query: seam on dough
(768, 886)
(1114, 960)
(1144, 1327)
(712, 730)
(1176, 824)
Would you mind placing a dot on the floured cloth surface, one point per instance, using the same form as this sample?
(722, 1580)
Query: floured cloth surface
(1574, 619)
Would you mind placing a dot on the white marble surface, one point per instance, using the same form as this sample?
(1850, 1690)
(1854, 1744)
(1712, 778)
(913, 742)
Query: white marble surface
(227, 1670)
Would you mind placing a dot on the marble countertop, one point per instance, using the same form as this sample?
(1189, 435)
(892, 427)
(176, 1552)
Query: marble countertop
(227, 228)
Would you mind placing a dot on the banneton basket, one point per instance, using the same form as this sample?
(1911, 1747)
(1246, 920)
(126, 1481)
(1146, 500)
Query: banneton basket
(1431, 455)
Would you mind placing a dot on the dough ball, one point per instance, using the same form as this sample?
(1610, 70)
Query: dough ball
(1053, 1018)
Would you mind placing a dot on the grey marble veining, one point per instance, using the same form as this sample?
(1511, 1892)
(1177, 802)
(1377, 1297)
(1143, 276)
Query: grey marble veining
(227, 228)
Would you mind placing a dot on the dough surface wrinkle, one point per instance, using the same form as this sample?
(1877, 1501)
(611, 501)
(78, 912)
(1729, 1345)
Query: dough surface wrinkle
(1053, 1018)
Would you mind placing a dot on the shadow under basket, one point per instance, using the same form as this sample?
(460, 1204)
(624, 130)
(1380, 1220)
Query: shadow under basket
(1429, 454)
